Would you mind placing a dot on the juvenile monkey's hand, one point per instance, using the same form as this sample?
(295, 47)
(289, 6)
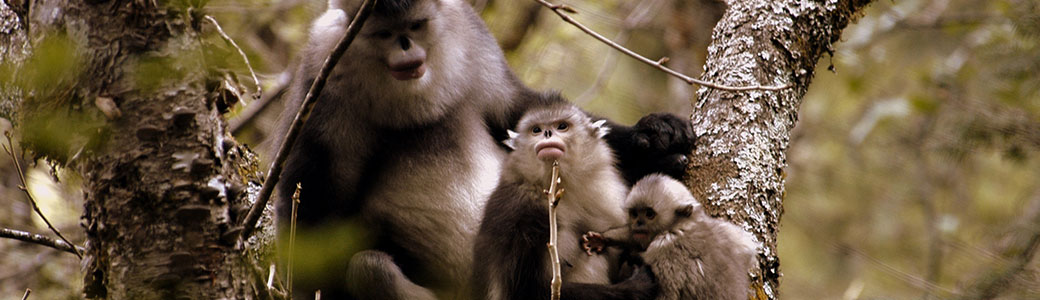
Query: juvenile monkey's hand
(593, 243)
(663, 142)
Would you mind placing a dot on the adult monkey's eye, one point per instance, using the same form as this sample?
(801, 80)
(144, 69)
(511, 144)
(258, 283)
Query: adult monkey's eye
(382, 34)
(563, 126)
(536, 129)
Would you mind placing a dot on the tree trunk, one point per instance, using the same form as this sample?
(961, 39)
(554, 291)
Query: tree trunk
(165, 185)
(737, 169)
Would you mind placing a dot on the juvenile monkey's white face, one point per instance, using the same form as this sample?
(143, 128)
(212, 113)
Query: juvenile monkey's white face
(657, 203)
(561, 133)
(408, 61)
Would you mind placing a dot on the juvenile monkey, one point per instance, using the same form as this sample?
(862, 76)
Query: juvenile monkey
(692, 255)
(511, 258)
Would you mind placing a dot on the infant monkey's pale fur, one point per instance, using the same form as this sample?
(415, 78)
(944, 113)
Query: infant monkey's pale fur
(693, 255)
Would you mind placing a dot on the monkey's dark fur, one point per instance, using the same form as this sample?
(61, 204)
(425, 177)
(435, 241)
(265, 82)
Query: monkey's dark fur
(404, 139)
(512, 260)
(692, 255)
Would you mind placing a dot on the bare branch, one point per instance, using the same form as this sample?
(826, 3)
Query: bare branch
(25, 189)
(40, 240)
(561, 10)
(27, 292)
(301, 116)
(292, 238)
(240, 52)
(554, 199)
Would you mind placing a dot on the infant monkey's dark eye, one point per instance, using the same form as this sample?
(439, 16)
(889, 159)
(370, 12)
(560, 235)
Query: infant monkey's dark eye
(418, 25)
(651, 214)
(536, 129)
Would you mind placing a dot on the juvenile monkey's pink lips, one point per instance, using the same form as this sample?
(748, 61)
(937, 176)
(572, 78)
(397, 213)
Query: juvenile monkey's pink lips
(641, 236)
(408, 71)
(549, 150)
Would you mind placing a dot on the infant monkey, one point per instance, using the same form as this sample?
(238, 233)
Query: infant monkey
(693, 255)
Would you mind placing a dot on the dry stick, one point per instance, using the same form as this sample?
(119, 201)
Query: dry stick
(556, 8)
(240, 52)
(40, 240)
(25, 188)
(27, 292)
(554, 199)
(301, 117)
(292, 237)
(254, 109)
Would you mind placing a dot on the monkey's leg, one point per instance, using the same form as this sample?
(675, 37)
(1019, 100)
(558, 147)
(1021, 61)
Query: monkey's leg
(374, 275)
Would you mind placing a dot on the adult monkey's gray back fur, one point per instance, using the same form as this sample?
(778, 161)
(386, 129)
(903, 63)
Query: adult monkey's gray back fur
(412, 159)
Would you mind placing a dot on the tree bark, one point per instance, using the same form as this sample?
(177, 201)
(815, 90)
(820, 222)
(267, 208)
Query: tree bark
(737, 168)
(165, 185)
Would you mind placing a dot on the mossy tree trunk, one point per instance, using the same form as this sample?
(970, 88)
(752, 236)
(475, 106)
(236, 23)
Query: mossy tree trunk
(131, 94)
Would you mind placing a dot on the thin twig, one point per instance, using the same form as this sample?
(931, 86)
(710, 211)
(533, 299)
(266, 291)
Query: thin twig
(25, 188)
(27, 292)
(301, 116)
(554, 196)
(39, 240)
(292, 237)
(240, 52)
(912, 279)
(254, 109)
(1023, 247)
(561, 10)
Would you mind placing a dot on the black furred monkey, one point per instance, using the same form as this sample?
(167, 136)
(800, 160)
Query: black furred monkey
(405, 138)
(512, 261)
(692, 255)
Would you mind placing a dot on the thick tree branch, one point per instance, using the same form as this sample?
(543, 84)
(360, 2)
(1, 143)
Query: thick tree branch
(737, 167)
(302, 115)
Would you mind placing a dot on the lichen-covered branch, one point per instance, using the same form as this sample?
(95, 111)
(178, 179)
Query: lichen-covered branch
(40, 240)
(737, 168)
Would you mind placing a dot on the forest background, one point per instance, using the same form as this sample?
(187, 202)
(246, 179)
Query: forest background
(912, 172)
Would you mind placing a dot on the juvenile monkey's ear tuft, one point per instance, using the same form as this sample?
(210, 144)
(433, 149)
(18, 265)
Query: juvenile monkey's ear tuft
(685, 211)
(511, 141)
(601, 129)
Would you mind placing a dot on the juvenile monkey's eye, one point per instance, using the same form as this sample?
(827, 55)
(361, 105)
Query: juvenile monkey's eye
(418, 25)
(382, 34)
(651, 214)
(536, 129)
(632, 213)
(563, 126)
